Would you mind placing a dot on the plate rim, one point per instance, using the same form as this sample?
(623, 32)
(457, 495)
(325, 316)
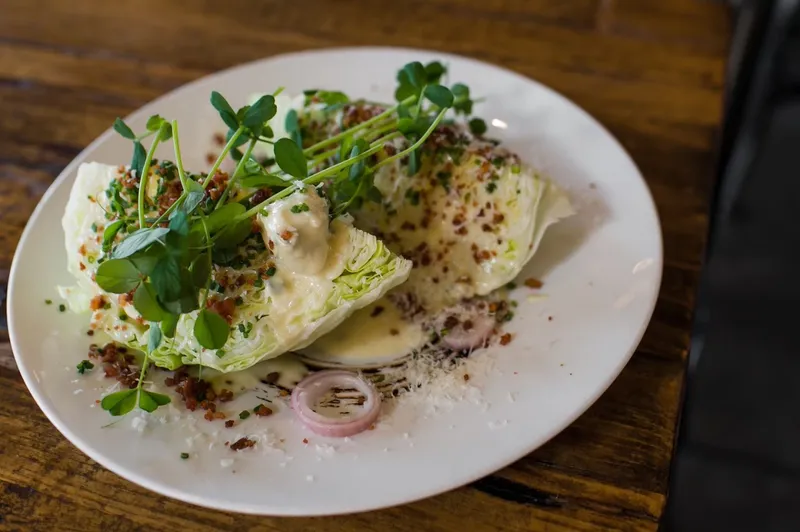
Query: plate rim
(188, 497)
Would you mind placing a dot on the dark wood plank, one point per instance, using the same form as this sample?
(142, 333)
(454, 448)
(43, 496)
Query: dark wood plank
(652, 72)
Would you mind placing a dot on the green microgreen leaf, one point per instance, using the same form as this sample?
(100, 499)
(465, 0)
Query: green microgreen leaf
(332, 98)
(413, 162)
(225, 110)
(292, 126)
(201, 270)
(166, 278)
(145, 261)
(290, 158)
(122, 128)
(179, 223)
(154, 123)
(118, 276)
(168, 325)
(357, 170)
(477, 126)
(150, 401)
(434, 72)
(154, 338)
(84, 366)
(462, 103)
(193, 198)
(439, 95)
(258, 113)
(221, 217)
(416, 74)
(165, 131)
(263, 180)
(110, 233)
(138, 240)
(146, 303)
(139, 156)
(234, 234)
(239, 141)
(211, 329)
(119, 403)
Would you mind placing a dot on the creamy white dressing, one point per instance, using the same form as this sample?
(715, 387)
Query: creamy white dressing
(375, 335)
(289, 368)
(296, 231)
(292, 294)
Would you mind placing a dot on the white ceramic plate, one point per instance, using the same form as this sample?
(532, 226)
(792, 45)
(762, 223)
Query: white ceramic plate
(601, 270)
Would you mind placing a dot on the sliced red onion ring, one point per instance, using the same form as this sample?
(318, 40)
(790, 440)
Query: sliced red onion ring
(460, 338)
(310, 389)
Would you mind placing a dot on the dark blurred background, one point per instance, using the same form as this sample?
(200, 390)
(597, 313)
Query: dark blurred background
(737, 465)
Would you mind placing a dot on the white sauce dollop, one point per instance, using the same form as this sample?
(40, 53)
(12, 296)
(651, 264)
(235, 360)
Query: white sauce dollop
(296, 231)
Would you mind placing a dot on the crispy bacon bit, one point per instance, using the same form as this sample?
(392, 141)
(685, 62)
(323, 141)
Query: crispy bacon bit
(82, 249)
(229, 423)
(97, 303)
(467, 325)
(117, 363)
(270, 245)
(505, 339)
(533, 283)
(210, 158)
(408, 226)
(466, 377)
(451, 322)
(272, 377)
(498, 218)
(219, 139)
(81, 266)
(305, 440)
(242, 443)
(376, 311)
(224, 395)
(394, 332)
(459, 219)
(486, 228)
(224, 308)
(263, 411)
(173, 191)
(462, 230)
(389, 149)
(217, 185)
(260, 195)
(286, 235)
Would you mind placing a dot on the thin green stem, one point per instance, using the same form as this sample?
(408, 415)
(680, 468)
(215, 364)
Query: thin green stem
(178, 159)
(228, 147)
(210, 266)
(416, 145)
(236, 173)
(362, 125)
(145, 361)
(181, 175)
(375, 147)
(145, 176)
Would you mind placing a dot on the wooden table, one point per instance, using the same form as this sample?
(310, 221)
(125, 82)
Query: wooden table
(651, 71)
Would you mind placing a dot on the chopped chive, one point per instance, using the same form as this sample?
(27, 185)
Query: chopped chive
(184, 456)
(244, 414)
(62, 307)
(48, 301)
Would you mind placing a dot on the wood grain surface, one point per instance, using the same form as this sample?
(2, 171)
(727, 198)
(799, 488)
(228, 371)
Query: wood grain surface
(651, 71)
